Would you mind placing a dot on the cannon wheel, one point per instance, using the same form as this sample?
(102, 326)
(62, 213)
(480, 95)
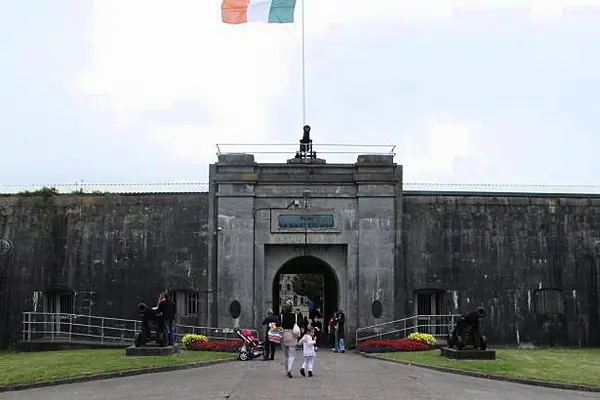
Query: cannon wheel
(476, 341)
(483, 343)
(140, 340)
(160, 339)
(243, 356)
(450, 341)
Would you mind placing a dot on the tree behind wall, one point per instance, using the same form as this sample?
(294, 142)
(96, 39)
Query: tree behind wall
(309, 285)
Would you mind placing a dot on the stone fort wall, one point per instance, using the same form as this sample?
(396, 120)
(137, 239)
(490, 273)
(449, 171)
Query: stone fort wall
(507, 253)
(497, 250)
(110, 251)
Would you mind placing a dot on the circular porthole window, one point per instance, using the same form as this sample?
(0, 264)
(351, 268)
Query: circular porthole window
(235, 309)
(5, 247)
(376, 309)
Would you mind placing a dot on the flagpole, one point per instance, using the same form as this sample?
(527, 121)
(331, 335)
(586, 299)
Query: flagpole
(303, 68)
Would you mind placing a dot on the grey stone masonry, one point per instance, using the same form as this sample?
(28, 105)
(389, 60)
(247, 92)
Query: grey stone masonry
(362, 247)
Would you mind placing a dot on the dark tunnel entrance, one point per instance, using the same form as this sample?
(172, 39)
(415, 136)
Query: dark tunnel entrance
(316, 274)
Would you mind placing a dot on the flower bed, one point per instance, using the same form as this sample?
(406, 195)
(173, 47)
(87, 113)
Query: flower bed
(423, 337)
(202, 343)
(229, 346)
(191, 338)
(392, 345)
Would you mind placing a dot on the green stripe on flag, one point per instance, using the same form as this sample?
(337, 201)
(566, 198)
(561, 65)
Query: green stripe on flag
(282, 11)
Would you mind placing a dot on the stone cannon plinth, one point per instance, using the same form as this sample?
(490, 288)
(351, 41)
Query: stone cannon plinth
(468, 354)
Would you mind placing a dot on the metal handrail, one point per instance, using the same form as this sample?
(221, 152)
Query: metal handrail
(80, 316)
(406, 319)
(384, 324)
(412, 323)
(61, 326)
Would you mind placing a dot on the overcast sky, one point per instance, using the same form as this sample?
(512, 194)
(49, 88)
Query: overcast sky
(140, 91)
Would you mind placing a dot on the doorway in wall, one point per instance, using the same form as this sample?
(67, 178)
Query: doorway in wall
(306, 278)
(59, 305)
(430, 308)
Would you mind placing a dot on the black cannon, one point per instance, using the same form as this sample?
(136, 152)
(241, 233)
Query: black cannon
(151, 321)
(468, 331)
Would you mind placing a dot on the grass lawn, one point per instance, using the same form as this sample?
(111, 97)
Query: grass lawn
(575, 366)
(31, 367)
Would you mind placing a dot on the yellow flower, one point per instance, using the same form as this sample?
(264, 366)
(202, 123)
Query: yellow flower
(193, 337)
(423, 337)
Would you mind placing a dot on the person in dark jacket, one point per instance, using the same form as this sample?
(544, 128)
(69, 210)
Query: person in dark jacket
(331, 327)
(166, 310)
(314, 314)
(340, 320)
(269, 353)
(318, 326)
(300, 322)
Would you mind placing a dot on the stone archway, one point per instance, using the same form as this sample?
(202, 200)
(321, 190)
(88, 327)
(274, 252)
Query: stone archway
(329, 301)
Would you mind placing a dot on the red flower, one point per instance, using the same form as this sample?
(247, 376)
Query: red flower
(216, 345)
(390, 345)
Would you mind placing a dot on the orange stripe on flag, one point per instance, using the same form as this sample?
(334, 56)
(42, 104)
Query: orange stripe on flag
(235, 11)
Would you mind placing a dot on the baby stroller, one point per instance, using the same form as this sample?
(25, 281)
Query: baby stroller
(251, 348)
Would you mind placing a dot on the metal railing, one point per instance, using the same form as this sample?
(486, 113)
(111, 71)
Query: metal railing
(291, 148)
(437, 325)
(60, 327)
(211, 333)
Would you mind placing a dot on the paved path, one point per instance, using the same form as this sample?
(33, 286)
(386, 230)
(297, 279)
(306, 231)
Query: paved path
(337, 377)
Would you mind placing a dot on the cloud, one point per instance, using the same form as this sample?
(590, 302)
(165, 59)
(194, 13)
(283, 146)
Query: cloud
(441, 143)
(148, 55)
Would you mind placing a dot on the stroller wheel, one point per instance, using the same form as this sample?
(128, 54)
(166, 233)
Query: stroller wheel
(243, 356)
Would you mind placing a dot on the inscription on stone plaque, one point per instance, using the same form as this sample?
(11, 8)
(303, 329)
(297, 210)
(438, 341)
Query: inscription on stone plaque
(305, 221)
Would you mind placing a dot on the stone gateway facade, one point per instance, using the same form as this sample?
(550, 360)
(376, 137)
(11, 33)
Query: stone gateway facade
(532, 260)
(346, 219)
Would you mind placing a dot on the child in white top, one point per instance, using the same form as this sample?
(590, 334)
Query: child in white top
(308, 346)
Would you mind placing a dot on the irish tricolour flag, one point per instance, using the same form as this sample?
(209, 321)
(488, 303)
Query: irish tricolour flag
(270, 11)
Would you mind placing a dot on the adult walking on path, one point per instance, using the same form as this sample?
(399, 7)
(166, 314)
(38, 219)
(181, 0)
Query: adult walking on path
(269, 353)
(289, 340)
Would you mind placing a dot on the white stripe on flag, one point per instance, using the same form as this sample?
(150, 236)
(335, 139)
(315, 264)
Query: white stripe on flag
(258, 10)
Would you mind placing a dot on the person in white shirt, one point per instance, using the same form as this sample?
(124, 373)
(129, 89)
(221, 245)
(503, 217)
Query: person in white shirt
(308, 346)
